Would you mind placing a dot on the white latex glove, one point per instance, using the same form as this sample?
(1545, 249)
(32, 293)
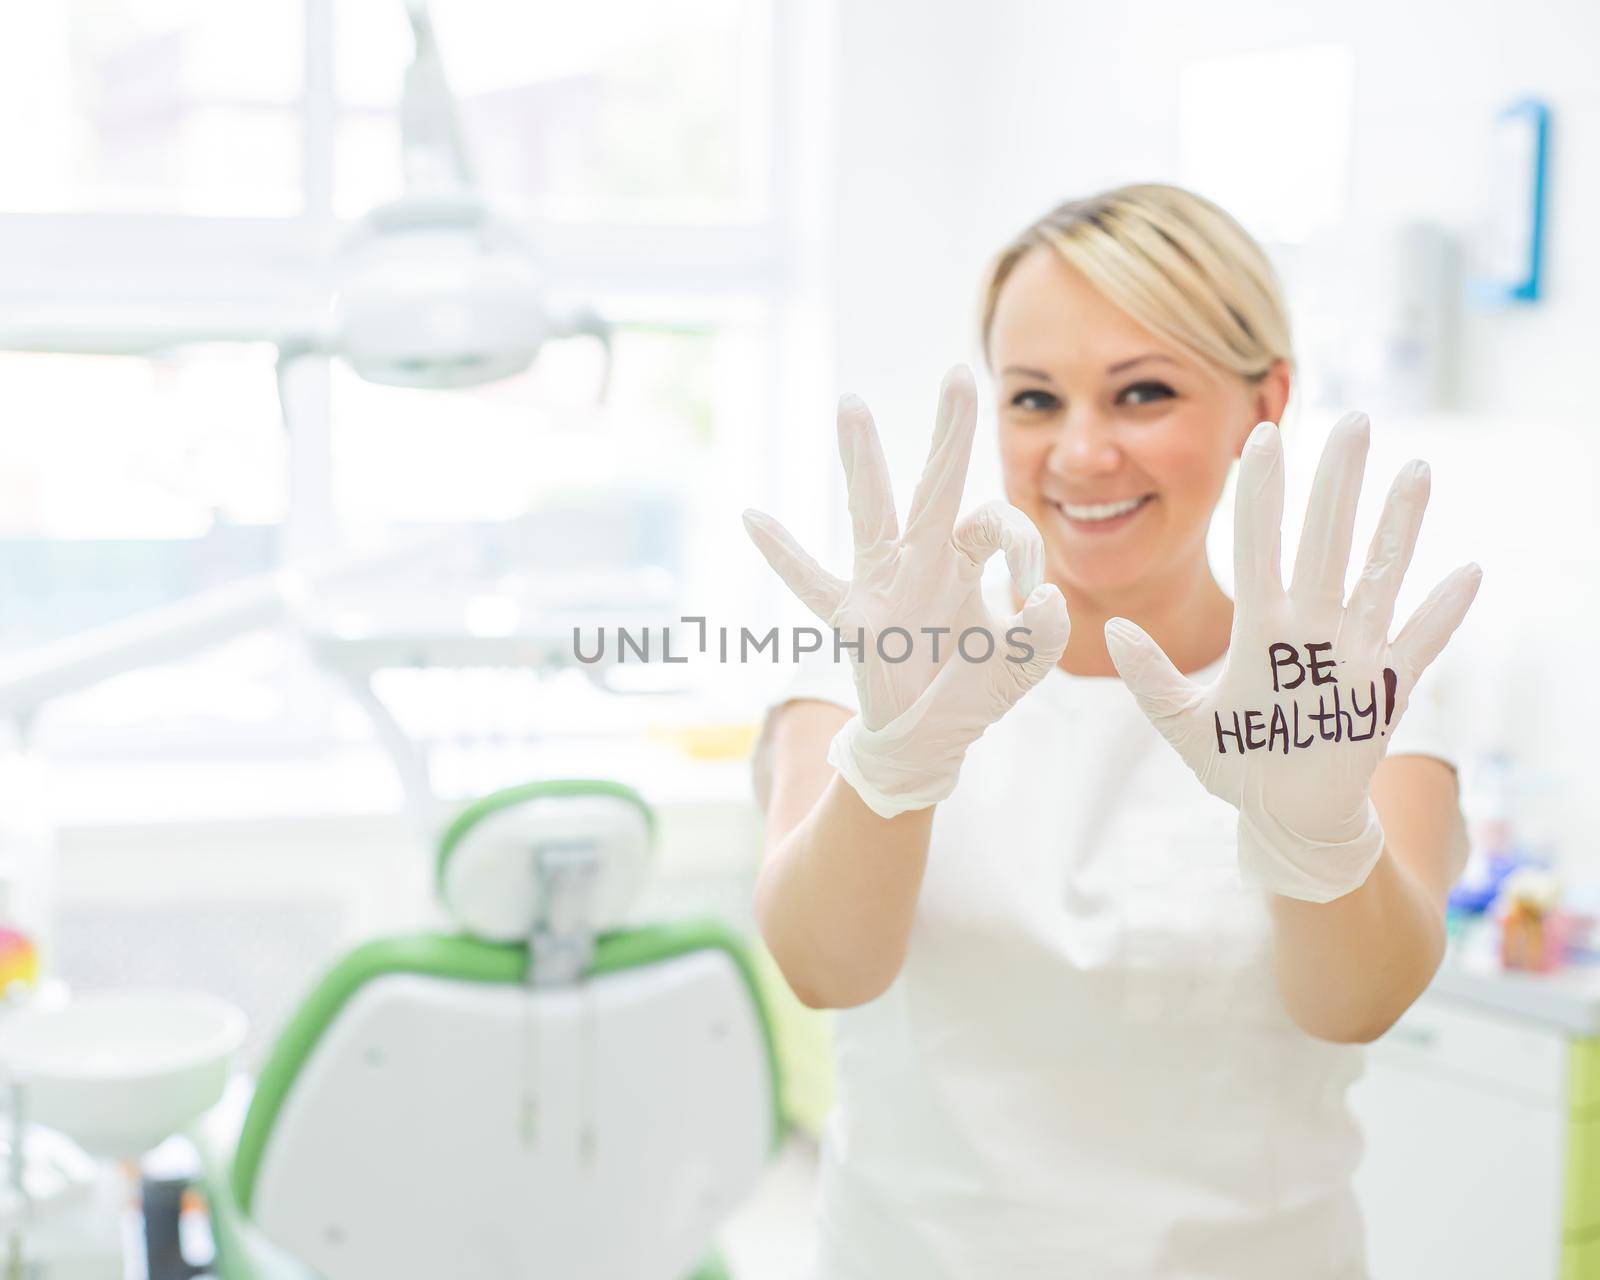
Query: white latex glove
(1311, 688)
(917, 717)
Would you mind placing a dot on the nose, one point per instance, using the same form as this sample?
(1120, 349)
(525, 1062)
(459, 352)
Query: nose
(1085, 445)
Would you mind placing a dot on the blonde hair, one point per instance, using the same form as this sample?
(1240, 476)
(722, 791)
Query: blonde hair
(1175, 262)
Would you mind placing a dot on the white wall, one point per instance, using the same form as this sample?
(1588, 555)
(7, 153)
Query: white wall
(1429, 76)
(956, 124)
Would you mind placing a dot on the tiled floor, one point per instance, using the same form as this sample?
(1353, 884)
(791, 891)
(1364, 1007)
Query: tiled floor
(771, 1237)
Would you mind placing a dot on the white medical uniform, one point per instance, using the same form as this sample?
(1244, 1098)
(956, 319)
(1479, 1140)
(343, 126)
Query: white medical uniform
(1083, 1069)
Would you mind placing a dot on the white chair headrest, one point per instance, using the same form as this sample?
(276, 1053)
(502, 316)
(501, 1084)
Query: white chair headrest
(488, 870)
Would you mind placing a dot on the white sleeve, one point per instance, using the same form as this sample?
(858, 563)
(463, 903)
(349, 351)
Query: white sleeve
(815, 676)
(1431, 725)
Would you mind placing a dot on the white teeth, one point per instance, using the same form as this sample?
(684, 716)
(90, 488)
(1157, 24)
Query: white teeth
(1100, 510)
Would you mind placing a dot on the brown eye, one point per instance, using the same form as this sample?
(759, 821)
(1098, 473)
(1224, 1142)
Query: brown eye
(1034, 400)
(1146, 393)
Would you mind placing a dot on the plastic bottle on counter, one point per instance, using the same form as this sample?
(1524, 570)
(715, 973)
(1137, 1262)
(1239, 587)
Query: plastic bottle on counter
(1489, 805)
(19, 955)
(27, 864)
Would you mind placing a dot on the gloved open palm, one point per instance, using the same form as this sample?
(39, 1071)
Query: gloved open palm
(1311, 689)
(910, 600)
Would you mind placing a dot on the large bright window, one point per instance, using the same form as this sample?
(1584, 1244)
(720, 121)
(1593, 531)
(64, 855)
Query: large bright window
(199, 160)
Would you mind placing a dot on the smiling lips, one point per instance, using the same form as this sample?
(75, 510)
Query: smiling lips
(1104, 514)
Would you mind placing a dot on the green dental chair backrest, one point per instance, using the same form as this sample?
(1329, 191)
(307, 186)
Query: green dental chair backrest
(430, 1113)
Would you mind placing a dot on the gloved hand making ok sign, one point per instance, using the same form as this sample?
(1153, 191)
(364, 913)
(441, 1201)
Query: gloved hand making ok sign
(1312, 687)
(934, 668)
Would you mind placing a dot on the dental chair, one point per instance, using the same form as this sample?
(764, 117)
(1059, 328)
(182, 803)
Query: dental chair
(545, 1094)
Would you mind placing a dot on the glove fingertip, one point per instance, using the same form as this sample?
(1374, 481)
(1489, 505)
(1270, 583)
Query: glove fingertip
(1123, 638)
(757, 528)
(958, 379)
(1045, 602)
(1044, 615)
(1468, 581)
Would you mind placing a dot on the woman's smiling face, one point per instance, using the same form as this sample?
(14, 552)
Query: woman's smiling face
(1113, 441)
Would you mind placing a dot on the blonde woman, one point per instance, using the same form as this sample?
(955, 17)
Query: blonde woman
(1100, 1003)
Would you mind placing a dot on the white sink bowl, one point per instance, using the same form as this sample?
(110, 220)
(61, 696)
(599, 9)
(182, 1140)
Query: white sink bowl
(121, 1071)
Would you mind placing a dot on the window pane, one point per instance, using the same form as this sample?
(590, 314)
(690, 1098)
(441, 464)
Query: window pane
(647, 482)
(367, 172)
(177, 106)
(133, 483)
(615, 470)
(621, 111)
(622, 513)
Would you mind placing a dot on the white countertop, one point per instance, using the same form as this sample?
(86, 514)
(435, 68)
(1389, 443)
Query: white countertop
(359, 781)
(1568, 998)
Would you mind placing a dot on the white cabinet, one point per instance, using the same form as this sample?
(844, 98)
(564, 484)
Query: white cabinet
(1467, 1115)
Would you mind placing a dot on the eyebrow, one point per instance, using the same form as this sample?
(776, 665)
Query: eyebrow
(1115, 368)
(1128, 364)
